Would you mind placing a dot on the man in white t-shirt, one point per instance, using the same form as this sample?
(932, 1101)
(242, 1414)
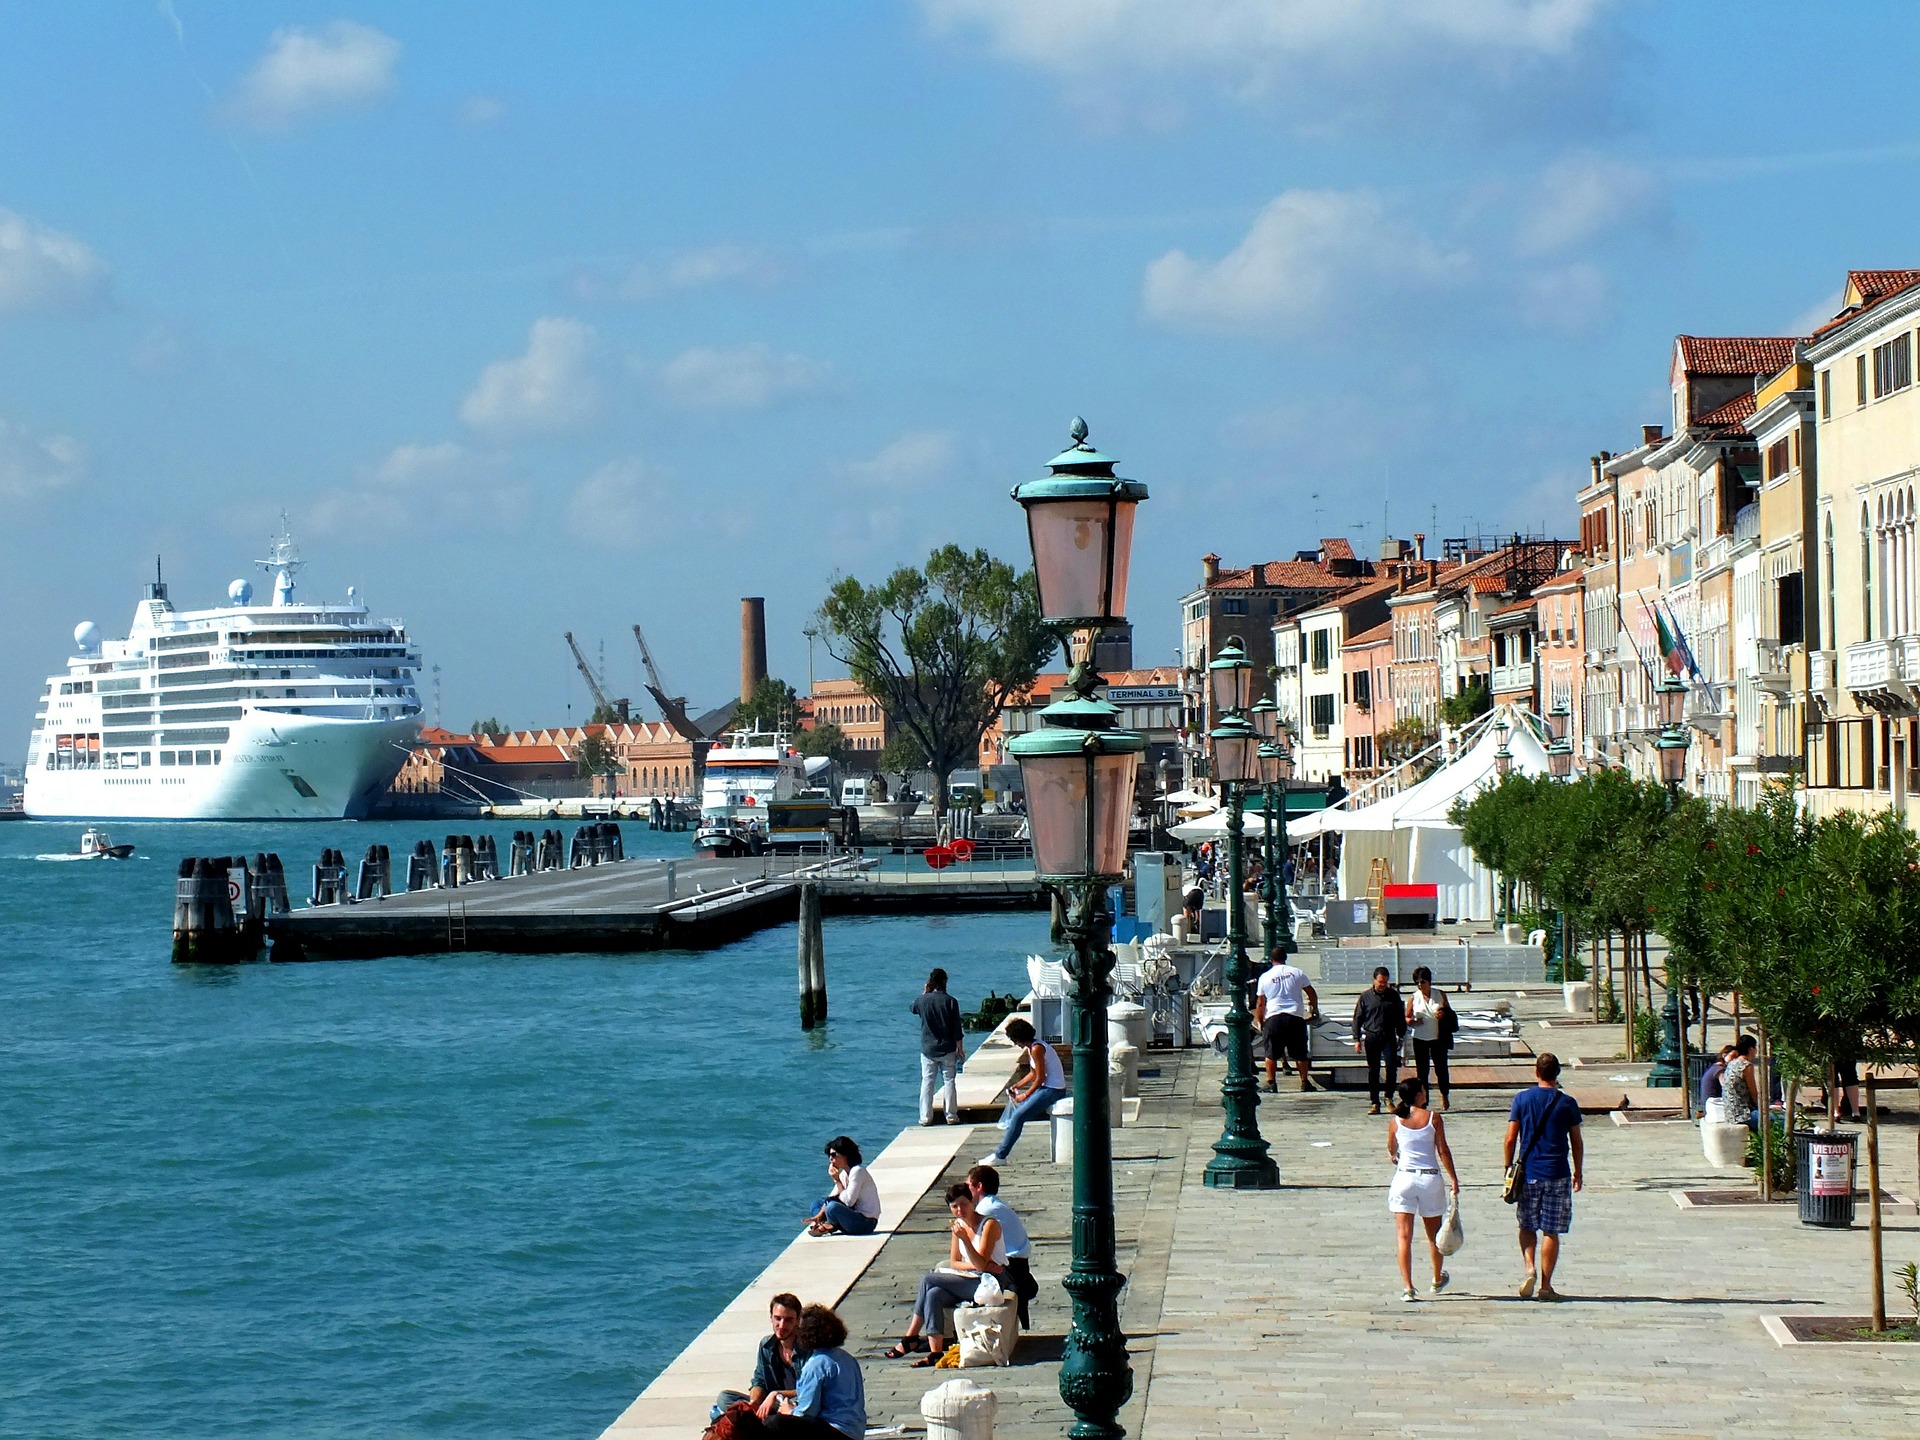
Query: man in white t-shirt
(1285, 1006)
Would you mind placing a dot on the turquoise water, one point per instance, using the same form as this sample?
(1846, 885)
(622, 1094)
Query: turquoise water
(468, 1195)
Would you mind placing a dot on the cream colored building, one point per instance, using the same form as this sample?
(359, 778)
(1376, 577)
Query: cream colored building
(1864, 672)
(1787, 571)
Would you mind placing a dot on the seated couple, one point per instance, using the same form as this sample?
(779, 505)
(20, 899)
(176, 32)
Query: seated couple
(804, 1382)
(987, 1239)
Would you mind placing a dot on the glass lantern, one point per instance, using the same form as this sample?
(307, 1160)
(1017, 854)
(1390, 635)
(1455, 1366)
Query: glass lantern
(1236, 751)
(1080, 525)
(1671, 747)
(1266, 717)
(1230, 679)
(1079, 786)
(1672, 693)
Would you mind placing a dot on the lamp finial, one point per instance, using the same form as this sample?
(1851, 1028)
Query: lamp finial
(1078, 430)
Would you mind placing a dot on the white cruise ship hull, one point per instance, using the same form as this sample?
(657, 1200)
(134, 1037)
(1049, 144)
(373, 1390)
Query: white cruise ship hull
(274, 767)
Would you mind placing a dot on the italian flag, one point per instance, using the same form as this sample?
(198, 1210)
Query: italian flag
(1671, 649)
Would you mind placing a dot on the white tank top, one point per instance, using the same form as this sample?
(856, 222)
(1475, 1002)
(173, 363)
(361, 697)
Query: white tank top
(1052, 1076)
(1417, 1150)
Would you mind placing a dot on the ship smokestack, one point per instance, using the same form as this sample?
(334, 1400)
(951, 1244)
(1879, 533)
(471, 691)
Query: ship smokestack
(753, 644)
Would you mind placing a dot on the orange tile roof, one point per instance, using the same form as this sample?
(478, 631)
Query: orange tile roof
(1380, 632)
(1337, 549)
(1735, 413)
(1734, 355)
(1281, 575)
(1867, 288)
(523, 755)
(1514, 607)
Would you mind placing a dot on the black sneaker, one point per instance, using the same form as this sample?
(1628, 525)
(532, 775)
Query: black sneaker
(1270, 1088)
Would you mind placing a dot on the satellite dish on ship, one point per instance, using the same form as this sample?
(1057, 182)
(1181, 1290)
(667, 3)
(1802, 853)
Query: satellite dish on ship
(240, 591)
(86, 637)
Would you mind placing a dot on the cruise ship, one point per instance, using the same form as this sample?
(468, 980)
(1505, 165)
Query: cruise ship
(275, 711)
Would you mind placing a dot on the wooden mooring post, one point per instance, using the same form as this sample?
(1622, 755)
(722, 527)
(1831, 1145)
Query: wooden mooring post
(812, 960)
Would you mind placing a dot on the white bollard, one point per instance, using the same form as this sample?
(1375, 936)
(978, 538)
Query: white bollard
(959, 1410)
(1126, 1059)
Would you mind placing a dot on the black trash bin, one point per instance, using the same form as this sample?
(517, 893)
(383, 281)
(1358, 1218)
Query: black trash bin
(1823, 1168)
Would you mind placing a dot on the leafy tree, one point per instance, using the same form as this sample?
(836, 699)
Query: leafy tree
(608, 714)
(941, 649)
(1469, 704)
(902, 755)
(772, 706)
(597, 755)
(489, 726)
(825, 738)
(1404, 739)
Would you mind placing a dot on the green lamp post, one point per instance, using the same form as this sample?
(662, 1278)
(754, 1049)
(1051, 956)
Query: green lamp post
(1240, 1158)
(1078, 769)
(1265, 716)
(1670, 1066)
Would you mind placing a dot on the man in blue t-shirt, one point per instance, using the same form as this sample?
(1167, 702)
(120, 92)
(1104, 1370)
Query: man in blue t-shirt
(1543, 1130)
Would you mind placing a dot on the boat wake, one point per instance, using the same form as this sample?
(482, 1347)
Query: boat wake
(86, 857)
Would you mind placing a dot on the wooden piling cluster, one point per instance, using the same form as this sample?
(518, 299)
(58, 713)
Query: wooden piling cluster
(597, 844)
(376, 874)
(665, 814)
(221, 907)
(813, 959)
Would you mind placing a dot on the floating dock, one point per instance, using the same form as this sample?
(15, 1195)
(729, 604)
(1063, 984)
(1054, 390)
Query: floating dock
(635, 905)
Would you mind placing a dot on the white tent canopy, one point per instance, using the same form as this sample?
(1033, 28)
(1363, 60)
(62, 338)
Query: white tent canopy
(1214, 827)
(1411, 830)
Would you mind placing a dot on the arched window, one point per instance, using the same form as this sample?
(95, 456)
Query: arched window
(1866, 573)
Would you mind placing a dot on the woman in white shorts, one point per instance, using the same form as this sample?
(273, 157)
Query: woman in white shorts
(1417, 1144)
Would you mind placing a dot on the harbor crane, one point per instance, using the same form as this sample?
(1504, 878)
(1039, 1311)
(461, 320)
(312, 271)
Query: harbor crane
(603, 703)
(672, 707)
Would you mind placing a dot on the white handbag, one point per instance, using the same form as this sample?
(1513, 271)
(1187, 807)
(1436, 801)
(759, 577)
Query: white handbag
(1452, 1234)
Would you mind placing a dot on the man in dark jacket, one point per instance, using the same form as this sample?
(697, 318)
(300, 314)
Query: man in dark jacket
(941, 1048)
(1379, 1022)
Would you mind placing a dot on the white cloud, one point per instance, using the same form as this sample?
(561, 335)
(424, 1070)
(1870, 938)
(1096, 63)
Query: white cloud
(339, 65)
(1319, 55)
(624, 505)
(33, 465)
(479, 110)
(740, 377)
(1579, 197)
(1814, 316)
(1306, 254)
(1566, 297)
(417, 485)
(917, 458)
(42, 269)
(550, 388)
(706, 268)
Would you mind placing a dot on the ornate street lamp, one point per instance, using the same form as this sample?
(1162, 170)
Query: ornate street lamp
(1502, 756)
(1670, 1065)
(1240, 1157)
(1560, 752)
(1078, 769)
(1277, 907)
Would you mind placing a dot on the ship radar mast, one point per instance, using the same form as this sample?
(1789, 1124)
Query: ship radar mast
(283, 562)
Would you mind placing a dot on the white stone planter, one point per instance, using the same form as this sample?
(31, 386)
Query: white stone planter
(1725, 1145)
(1579, 996)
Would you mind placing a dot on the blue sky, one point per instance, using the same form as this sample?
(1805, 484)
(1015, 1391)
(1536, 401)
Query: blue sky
(563, 317)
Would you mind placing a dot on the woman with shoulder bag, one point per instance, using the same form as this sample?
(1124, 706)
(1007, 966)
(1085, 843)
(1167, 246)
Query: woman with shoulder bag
(1417, 1144)
(1431, 1023)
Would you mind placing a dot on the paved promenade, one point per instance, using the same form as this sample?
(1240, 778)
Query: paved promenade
(1279, 1313)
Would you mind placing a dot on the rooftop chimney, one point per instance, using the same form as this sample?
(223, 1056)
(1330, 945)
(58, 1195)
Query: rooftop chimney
(1209, 569)
(753, 644)
(1650, 434)
(1594, 460)
(1419, 545)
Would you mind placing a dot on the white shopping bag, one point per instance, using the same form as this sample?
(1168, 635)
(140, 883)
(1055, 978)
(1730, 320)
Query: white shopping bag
(1452, 1234)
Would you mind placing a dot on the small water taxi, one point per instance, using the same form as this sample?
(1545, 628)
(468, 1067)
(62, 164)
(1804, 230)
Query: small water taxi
(95, 845)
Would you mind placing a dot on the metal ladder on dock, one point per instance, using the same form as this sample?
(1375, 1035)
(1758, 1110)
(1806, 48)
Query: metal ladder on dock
(456, 924)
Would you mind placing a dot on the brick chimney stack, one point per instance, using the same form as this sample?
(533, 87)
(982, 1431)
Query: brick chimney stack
(1650, 434)
(753, 644)
(1209, 569)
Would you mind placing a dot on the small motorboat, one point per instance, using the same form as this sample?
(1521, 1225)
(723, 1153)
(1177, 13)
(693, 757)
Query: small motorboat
(94, 845)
